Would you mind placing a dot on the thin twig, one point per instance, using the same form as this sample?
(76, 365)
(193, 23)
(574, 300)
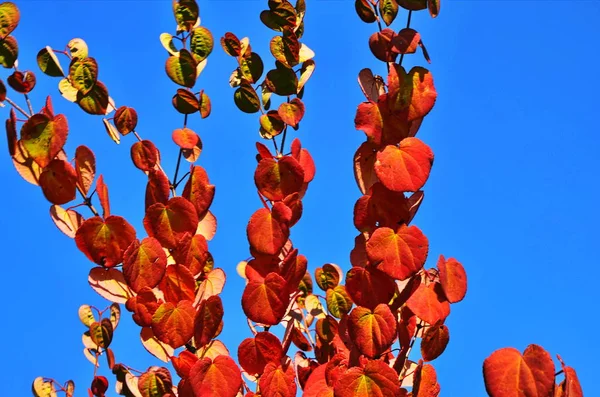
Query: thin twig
(17, 107)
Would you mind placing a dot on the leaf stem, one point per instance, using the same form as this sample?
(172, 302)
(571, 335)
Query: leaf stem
(28, 104)
(17, 107)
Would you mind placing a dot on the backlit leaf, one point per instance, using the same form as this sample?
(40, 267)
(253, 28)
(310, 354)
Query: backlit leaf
(231, 44)
(429, 303)
(281, 81)
(388, 10)
(78, 48)
(185, 102)
(201, 43)
(278, 179)
(425, 382)
(507, 373)
(85, 166)
(278, 380)
(208, 321)
(404, 168)
(338, 301)
(186, 13)
(399, 254)
(375, 379)
(570, 386)
(327, 277)
(255, 353)
(67, 221)
(158, 349)
(9, 18)
(271, 125)
(96, 101)
(125, 119)
(156, 382)
(434, 341)
(144, 155)
(453, 279)
(58, 182)
(9, 51)
(434, 7)
(199, 191)
(48, 62)
(168, 223)
(265, 234)
(115, 314)
(413, 5)
(365, 11)
(182, 69)
(86, 315)
(105, 241)
(166, 40)
(102, 192)
(369, 287)
(205, 106)
(83, 73)
(110, 284)
(265, 301)
(144, 264)
(111, 131)
(373, 332)
(251, 67)
(291, 112)
(185, 138)
(43, 138)
(40, 387)
(306, 72)
(157, 188)
(246, 99)
(173, 324)
(380, 44)
(101, 333)
(220, 377)
(212, 285)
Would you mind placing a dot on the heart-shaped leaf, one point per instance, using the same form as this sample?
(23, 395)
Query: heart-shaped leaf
(173, 324)
(291, 112)
(375, 379)
(83, 74)
(404, 168)
(9, 18)
(220, 377)
(59, 182)
(453, 279)
(144, 264)
(266, 234)
(278, 179)
(255, 353)
(265, 301)
(372, 331)
(208, 322)
(168, 223)
(182, 69)
(104, 241)
(43, 137)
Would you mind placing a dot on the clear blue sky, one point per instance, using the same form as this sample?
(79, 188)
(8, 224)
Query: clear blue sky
(513, 193)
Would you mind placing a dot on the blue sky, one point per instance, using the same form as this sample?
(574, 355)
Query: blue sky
(512, 194)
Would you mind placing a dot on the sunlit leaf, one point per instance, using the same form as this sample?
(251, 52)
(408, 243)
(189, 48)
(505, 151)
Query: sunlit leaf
(78, 48)
(404, 168)
(375, 379)
(83, 74)
(144, 264)
(338, 301)
(212, 285)
(425, 382)
(278, 380)
(125, 119)
(58, 182)
(156, 382)
(208, 321)
(101, 333)
(166, 40)
(40, 387)
(434, 341)
(265, 301)
(105, 241)
(144, 155)
(265, 233)
(9, 18)
(372, 331)
(96, 101)
(199, 191)
(278, 179)
(178, 284)
(182, 69)
(185, 102)
(246, 99)
(429, 303)
(173, 324)
(167, 223)
(388, 9)
(291, 112)
(220, 377)
(186, 13)
(255, 353)
(43, 137)
(157, 188)
(86, 315)
(158, 349)
(434, 7)
(453, 279)
(365, 11)
(201, 43)
(369, 287)
(102, 192)
(251, 67)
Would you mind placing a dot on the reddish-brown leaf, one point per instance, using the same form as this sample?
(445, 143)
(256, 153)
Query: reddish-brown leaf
(453, 279)
(265, 234)
(434, 341)
(570, 386)
(375, 379)
(278, 380)
(155, 382)
(372, 331)
(291, 112)
(507, 373)
(265, 301)
(157, 188)
(208, 321)
(102, 191)
(255, 353)
(368, 287)
(11, 132)
(398, 254)
(412, 94)
(125, 119)
(316, 384)
(178, 284)
(168, 223)
(105, 241)
(173, 323)
(425, 382)
(59, 182)
(85, 166)
(380, 44)
(278, 179)
(404, 168)
(144, 155)
(220, 377)
(364, 166)
(305, 159)
(144, 264)
(22, 82)
(429, 303)
(199, 191)
(184, 362)
(192, 251)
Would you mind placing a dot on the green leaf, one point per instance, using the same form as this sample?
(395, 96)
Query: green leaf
(251, 67)
(96, 101)
(48, 62)
(201, 43)
(9, 51)
(9, 18)
(182, 69)
(186, 14)
(83, 74)
(388, 10)
(338, 301)
(246, 99)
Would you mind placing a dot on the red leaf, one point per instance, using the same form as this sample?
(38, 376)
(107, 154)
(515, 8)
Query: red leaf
(368, 287)
(507, 373)
(316, 385)
(144, 264)
(400, 254)
(144, 155)
(178, 284)
(157, 188)
(184, 362)
(59, 182)
(199, 191)
(404, 168)
(425, 382)
(11, 132)
(453, 279)
(168, 223)
(265, 234)
(265, 301)
(125, 119)
(373, 332)
(263, 151)
(174, 324)
(413, 94)
(255, 353)
(375, 379)
(278, 381)
(110, 284)
(192, 251)
(85, 166)
(364, 166)
(143, 306)
(570, 386)
(380, 44)
(208, 321)
(428, 303)
(105, 241)
(277, 179)
(21, 82)
(434, 341)
(43, 138)
(305, 159)
(67, 221)
(218, 378)
(102, 191)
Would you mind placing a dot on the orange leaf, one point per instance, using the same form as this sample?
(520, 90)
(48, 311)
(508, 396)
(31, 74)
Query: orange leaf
(144, 155)
(220, 377)
(105, 241)
(570, 386)
(178, 284)
(212, 285)
(144, 264)
(434, 341)
(399, 254)
(428, 303)
(185, 138)
(199, 191)
(168, 223)
(125, 119)
(68, 221)
(278, 380)
(265, 234)
(453, 279)
(291, 113)
(507, 373)
(158, 349)
(364, 166)
(277, 179)
(372, 331)
(174, 324)
(157, 188)
(413, 94)
(404, 168)
(102, 191)
(375, 379)
(368, 287)
(316, 384)
(265, 301)
(85, 166)
(425, 383)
